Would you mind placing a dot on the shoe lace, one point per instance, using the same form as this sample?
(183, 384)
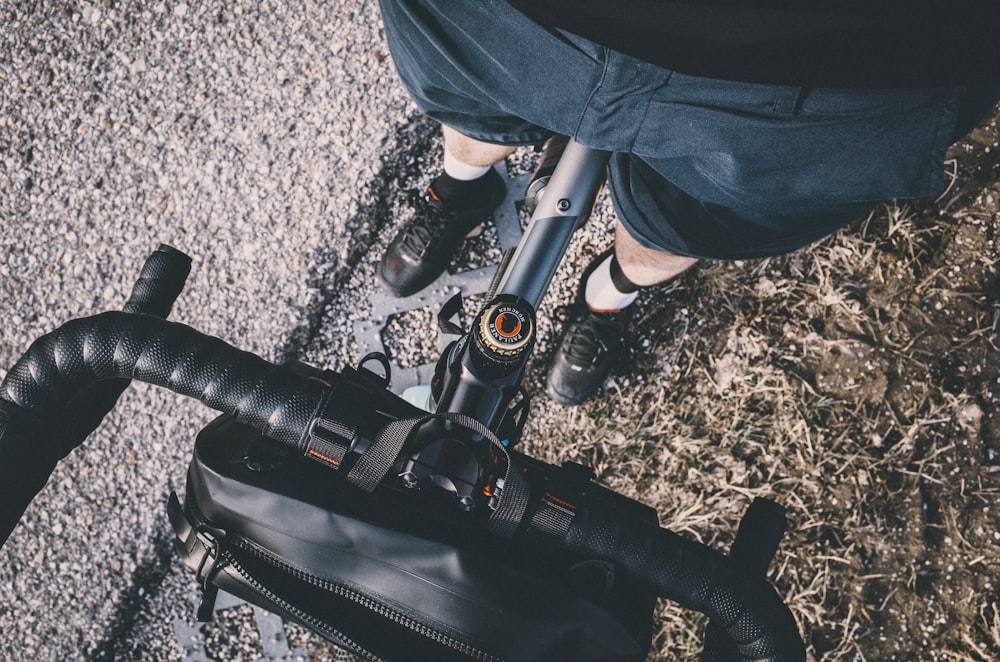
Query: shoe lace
(584, 343)
(427, 224)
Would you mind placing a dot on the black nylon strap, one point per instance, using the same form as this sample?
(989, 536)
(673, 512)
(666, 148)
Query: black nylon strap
(450, 309)
(332, 431)
(329, 436)
(373, 465)
(513, 503)
(324, 451)
(377, 459)
(513, 499)
(552, 518)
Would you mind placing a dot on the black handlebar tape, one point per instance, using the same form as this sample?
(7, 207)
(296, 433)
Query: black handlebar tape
(696, 577)
(757, 540)
(271, 398)
(117, 345)
(160, 282)
(30, 446)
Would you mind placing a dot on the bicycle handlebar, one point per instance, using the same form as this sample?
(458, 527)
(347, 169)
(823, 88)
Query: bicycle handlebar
(755, 621)
(84, 356)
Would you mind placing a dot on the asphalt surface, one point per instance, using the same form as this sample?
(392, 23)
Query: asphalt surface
(266, 140)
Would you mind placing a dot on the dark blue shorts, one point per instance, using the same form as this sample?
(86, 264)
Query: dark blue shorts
(701, 167)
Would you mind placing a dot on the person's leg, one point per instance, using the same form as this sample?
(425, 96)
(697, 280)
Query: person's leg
(748, 171)
(470, 151)
(593, 337)
(457, 202)
(646, 266)
(456, 61)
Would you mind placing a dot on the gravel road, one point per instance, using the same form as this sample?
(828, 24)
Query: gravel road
(260, 138)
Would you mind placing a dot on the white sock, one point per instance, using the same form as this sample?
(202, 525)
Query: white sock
(462, 171)
(601, 294)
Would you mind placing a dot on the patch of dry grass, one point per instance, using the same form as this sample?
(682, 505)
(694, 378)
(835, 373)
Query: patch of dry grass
(857, 382)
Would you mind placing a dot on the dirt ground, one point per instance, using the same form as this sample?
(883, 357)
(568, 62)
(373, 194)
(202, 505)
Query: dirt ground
(857, 382)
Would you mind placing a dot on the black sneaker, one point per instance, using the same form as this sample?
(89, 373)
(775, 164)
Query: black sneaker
(588, 350)
(421, 250)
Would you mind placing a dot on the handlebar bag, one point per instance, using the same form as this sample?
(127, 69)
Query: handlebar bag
(385, 582)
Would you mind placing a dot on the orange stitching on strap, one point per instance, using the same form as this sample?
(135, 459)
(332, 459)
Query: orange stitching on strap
(320, 456)
(560, 501)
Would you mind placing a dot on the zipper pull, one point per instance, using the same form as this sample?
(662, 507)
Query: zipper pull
(206, 571)
(206, 610)
(209, 565)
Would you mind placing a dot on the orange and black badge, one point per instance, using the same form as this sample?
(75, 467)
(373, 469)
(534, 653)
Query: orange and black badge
(508, 326)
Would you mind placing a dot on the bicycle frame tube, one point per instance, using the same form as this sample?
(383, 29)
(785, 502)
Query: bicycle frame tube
(565, 205)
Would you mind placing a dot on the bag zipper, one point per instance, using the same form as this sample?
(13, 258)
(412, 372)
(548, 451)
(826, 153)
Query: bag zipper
(359, 599)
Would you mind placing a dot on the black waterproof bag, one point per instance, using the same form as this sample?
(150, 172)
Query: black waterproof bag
(278, 531)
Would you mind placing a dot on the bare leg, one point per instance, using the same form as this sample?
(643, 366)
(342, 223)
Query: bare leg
(471, 151)
(645, 266)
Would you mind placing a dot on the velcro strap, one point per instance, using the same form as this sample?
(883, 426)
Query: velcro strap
(324, 451)
(513, 499)
(332, 431)
(513, 503)
(377, 459)
(330, 434)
